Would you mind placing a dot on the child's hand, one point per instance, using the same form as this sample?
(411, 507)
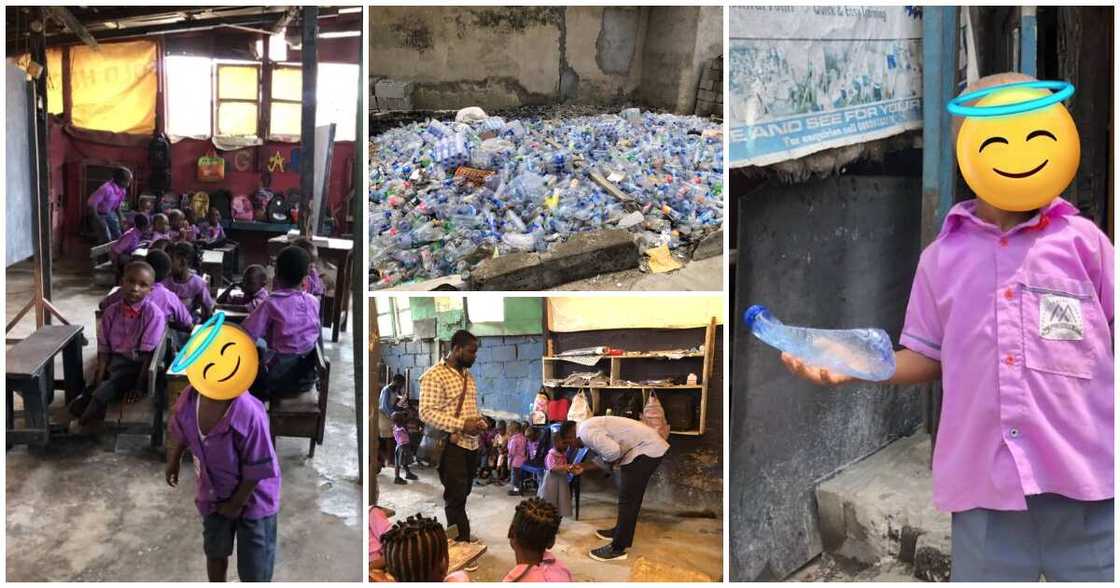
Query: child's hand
(575, 469)
(171, 473)
(230, 510)
(818, 376)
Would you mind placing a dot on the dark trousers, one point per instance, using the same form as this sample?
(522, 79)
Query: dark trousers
(121, 376)
(110, 226)
(286, 375)
(456, 473)
(635, 478)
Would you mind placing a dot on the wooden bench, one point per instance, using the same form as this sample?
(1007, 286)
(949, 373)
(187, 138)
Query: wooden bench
(104, 273)
(304, 415)
(30, 371)
(133, 419)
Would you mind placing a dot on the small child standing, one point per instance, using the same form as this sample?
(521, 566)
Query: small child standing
(516, 449)
(501, 458)
(238, 480)
(188, 285)
(403, 457)
(288, 322)
(130, 331)
(555, 489)
(531, 534)
(250, 293)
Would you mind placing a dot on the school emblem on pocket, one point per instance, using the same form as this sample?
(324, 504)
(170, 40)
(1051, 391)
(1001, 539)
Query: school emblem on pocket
(1059, 318)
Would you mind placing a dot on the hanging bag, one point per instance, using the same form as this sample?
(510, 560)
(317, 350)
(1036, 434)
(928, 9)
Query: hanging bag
(653, 416)
(581, 409)
(211, 168)
(435, 439)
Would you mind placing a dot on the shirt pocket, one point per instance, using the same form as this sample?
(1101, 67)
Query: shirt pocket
(1057, 316)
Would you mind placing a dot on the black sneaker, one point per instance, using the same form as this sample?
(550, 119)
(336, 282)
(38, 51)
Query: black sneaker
(411, 476)
(605, 534)
(607, 553)
(399, 480)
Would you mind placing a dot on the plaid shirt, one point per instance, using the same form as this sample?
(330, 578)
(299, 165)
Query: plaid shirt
(440, 388)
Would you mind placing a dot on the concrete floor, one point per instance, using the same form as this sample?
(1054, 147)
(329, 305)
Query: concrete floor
(667, 547)
(80, 511)
(699, 275)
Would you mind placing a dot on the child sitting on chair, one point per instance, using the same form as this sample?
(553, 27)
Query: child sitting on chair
(555, 489)
(403, 457)
(531, 533)
(178, 317)
(312, 284)
(121, 250)
(238, 494)
(517, 456)
(249, 294)
(210, 231)
(288, 322)
(130, 331)
(416, 551)
(160, 229)
(191, 289)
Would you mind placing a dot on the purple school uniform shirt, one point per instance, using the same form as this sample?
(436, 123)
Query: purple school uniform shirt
(313, 283)
(107, 198)
(516, 448)
(252, 303)
(549, 570)
(164, 299)
(1021, 322)
(209, 233)
(155, 236)
(238, 448)
(400, 435)
(131, 329)
(288, 321)
(193, 292)
(128, 242)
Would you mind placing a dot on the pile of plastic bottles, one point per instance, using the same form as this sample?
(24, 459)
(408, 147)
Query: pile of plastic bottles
(427, 222)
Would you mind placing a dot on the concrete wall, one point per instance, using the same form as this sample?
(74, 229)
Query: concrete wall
(835, 253)
(507, 370)
(502, 57)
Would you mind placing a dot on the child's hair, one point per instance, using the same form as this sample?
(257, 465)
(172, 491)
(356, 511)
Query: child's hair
(174, 213)
(121, 174)
(535, 524)
(181, 250)
(566, 428)
(159, 245)
(398, 379)
(291, 266)
(502, 426)
(160, 262)
(213, 210)
(306, 244)
(399, 418)
(138, 265)
(413, 549)
(516, 426)
(160, 217)
(489, 422)
(188, 213)
(140, 221)
(255, 269)
(531, 433)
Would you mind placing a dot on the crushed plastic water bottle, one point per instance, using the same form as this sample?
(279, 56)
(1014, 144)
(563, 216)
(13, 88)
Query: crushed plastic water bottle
(444, 195)
(866, 354)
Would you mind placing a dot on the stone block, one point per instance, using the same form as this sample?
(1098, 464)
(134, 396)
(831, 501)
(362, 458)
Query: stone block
(517, 369)
(589, 254)
(710, 246)
(515, 271)
(531, 349)
(504, 353)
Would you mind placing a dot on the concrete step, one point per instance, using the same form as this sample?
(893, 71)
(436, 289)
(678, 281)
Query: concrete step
(881, 509)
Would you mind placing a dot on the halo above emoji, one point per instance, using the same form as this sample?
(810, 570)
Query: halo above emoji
(1018, 146)
(220, 359)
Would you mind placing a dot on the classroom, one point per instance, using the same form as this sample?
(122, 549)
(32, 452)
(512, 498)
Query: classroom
(621, 365)
(179, 177)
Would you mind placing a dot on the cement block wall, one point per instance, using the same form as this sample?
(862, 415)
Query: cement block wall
(507, 370)
(503, 57)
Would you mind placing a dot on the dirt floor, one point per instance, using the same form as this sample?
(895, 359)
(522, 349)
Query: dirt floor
(667, 547)
(826, 568)
(700, 275)
(90, 509)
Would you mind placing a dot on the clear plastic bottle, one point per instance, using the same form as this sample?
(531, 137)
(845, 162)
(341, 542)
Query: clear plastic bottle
(866, 354)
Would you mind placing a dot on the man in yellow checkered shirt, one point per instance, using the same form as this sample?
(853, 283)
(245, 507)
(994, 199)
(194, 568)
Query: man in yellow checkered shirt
(441, 388)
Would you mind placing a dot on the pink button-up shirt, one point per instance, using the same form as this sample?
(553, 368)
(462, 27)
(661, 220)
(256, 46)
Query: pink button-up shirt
(1021, 322)
(549, 570)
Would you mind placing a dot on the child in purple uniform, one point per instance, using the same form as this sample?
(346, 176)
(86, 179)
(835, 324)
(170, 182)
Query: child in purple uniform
(312, 284)
(130, 331)
(186, 284)
(288, 322)
(121, 250)
(210, 231)
(161, 227)
(238, 480)
(517, 455)
(248, 295)
(178, 317)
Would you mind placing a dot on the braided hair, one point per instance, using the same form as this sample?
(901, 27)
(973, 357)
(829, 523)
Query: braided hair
(535, 524)
(414, 549)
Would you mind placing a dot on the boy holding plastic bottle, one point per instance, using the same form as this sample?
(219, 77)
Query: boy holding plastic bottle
(1012, 308)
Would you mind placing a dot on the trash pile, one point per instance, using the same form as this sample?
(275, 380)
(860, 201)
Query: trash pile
(443, 196)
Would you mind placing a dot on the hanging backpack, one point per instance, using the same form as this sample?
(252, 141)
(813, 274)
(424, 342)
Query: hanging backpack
(211, 168)
(277, 211)
(653, 416)
(581, 409)
(558, 409)
(261, 199)
(242, 208)
(159, 164)
(200, 204)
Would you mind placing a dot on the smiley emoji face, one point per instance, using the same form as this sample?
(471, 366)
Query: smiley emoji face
(1019, 162)
(227, 366)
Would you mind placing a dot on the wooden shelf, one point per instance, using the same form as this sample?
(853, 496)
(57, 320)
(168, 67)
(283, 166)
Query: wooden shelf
(622, 387)
(602, 357)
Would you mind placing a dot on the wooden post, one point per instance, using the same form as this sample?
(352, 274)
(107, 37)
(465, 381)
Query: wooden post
(357, 284)
(374, 387)
(310, 58)
(42, 221)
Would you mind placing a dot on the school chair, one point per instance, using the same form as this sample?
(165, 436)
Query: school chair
(304, 415)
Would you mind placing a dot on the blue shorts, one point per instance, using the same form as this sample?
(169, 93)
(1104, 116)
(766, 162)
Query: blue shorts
(256, 544)
(1057, 537)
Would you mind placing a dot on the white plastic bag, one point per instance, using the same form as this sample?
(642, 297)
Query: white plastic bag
(653, 416)
(581, 409)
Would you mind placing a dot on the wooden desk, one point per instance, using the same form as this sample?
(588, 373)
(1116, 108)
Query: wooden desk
(335, 251)
(30, 369)
(213, 262)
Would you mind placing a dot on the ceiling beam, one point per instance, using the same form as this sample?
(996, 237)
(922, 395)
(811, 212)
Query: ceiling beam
(63, 16)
